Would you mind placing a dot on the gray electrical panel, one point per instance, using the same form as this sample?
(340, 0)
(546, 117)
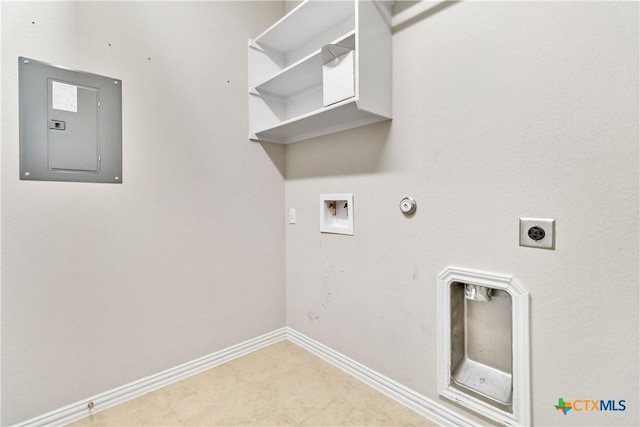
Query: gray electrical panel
(70, 125)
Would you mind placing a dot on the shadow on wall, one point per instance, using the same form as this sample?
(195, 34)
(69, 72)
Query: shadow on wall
(351, 152)
(407, 13)
(276, 153)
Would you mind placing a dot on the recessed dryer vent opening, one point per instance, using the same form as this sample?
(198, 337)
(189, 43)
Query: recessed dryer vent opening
(481, 343)
(483, 338)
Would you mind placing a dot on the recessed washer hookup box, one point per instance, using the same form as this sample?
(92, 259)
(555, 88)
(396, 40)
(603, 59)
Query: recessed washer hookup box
(70, 124)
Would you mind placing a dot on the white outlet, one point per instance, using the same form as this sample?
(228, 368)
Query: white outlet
(538, 233)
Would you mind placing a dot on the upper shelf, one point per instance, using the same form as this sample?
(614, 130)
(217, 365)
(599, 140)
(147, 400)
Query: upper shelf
(301, 75)
(306, 21)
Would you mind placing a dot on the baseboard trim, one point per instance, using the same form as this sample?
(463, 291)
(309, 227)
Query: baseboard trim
(394, 390)
(108, 399)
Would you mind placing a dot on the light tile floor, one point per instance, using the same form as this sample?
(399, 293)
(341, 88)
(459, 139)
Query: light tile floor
(280, 385)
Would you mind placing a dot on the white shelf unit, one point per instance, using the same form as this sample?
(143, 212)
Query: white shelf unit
(286, 70)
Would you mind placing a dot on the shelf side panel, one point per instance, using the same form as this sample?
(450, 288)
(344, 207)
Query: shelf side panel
(264, 112)
(261, 64)
(374, 57)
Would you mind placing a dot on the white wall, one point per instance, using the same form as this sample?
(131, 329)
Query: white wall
(501, 110)
(104, 284)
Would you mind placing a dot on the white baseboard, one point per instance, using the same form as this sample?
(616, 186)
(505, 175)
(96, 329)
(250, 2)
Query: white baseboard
(396, 391)
(108, 399)
(407, 397)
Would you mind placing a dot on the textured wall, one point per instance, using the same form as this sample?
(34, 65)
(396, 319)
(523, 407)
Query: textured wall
(501, 110)
(105, 284)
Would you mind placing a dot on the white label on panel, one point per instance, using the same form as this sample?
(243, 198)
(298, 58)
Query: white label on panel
(64, 97)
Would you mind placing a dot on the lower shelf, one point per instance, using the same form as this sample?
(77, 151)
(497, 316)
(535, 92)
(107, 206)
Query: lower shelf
(340, 116)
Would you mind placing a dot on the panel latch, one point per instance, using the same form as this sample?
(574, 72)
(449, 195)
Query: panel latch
(57, 125)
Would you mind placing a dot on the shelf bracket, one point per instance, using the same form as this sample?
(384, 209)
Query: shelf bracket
(254, 45)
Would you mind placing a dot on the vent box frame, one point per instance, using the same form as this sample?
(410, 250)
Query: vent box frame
(507, 398)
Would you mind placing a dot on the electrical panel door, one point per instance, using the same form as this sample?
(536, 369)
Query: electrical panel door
(70, 125)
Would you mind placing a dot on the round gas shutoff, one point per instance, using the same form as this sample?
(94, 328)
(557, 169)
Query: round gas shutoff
(408, 206)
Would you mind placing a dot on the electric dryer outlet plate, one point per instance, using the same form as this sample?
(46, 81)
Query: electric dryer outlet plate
(538, 233)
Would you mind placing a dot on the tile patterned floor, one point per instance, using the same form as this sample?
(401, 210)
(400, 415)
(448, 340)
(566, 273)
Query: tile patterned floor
(280, 385)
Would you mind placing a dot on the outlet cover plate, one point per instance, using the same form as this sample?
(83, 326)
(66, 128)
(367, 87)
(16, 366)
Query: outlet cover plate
(549, 227)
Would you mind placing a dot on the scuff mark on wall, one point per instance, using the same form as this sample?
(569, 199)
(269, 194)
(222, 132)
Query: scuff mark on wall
(332, 270)
(327, 300)
(312, 317)
(326, 295)
(416, 274)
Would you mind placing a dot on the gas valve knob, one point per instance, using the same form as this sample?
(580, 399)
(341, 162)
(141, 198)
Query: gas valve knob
(408, 206)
